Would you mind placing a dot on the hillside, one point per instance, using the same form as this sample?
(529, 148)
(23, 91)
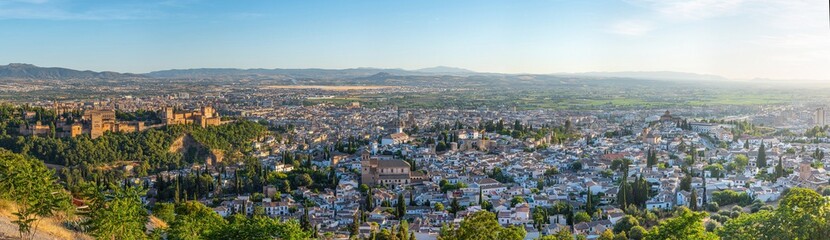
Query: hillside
(29, 71)
(49, 228)
(195, 151)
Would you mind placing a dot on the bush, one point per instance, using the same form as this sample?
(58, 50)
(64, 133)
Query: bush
(711, 226)
(737, 209)
(636, 233)
(727, 197)
(712, 207)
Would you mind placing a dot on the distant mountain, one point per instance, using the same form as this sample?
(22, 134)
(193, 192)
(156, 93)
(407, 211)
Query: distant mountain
(444, 69)
(304, 73)
(277, 72)
(653, 75)
(29, 71)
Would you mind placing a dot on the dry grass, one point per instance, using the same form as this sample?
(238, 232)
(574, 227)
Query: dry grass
(47, 228)
(331, 88)
(155, 222)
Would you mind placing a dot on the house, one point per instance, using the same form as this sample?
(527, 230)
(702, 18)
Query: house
(394, 138)
(504, 217)
(222, 211)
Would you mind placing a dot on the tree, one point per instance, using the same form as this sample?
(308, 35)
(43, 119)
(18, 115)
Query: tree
(32, 187)
(589, 203)
(370, 200)
(403, 231)
(116, 213)
(779, 170)
(355, 227)
(165, 211)
(622, 192)
(606, 235)
(564, 234)
(802, 214)
(516, 200)
(686, 182)
(651, 160)
(625, 224)
(581, 217)
(303, 180)
(481, 225)
(762, 156)
(685, 225)
(576, 166)
(455, 207)
(748, 226)
(637, 233)
(259, 228)
(621, 236)
(400, 208)
(740, 162)
(194, 220)
(693, 200)
(439, 207)
(715, 170)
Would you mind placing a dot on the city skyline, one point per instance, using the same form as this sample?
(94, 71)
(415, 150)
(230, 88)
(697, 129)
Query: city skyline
(737, 39)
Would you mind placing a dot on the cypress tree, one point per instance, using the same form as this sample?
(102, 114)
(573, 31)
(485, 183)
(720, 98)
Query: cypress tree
(693, 200)
(589, 206)
(400, 209)
(621, 198)
(779, 170)
(355, 230)
(370, 201)
(762, 156)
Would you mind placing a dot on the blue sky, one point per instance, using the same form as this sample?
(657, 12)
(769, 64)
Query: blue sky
(787, 39)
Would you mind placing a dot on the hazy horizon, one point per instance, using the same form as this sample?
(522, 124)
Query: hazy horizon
(736, 39)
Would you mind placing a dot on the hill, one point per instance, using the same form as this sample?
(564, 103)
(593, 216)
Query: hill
(29, 71)
(444, 69)
(314, 73)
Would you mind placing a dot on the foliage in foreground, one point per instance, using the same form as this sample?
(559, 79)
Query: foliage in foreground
(33, 188)
(481, 225)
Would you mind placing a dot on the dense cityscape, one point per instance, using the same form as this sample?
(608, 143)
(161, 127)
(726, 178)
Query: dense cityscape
(311, 159)
(414, 120)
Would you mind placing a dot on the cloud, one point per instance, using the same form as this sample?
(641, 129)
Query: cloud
(631, 27)
(692, 9)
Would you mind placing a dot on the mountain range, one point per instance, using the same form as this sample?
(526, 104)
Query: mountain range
(29, 71)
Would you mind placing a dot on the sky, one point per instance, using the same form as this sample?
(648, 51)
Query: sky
(738, 39)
